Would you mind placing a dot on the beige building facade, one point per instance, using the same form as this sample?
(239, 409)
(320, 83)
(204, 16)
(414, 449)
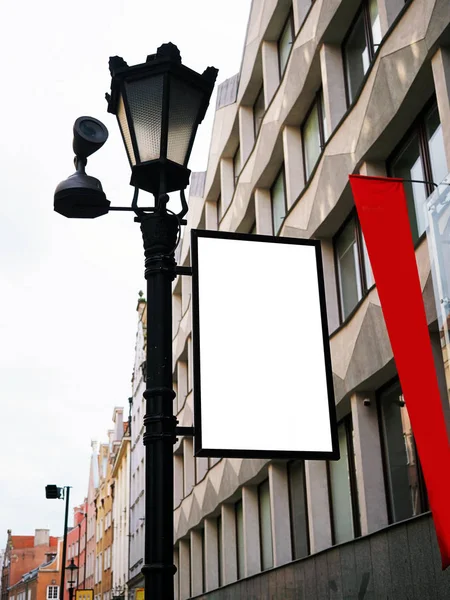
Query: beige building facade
(326, 89)
(121, 505)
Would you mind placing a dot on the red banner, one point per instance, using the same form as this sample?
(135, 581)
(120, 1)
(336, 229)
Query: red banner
(383, 214)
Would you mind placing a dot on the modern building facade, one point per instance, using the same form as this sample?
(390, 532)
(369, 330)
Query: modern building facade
(326, 88)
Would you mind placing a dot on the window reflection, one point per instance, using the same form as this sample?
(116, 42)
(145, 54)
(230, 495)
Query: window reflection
(298, 509)
(408, 165)
(278, 196)
(405, 487)
(258, 111)
(360, 46)
(314, 135)
(421, 157)
(343, 488)
(348, 268)
(285, 44)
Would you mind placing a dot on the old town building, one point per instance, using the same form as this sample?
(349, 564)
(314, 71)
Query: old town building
(23, 553)
(137, 481)
(121, 505)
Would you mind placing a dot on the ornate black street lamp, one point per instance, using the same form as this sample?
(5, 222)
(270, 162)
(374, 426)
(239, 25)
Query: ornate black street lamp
(159, 105)
(72, 568)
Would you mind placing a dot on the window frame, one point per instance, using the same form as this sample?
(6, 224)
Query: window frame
(289, 18)
(282, 170)
(238, 505)
(418, 127)
(219, 549)
(52, 596)
(364, 9)
(290, 465)
(259, 95)
(390, 386)
(351, 465)
(365, 289)
(319, 102)
(261, 549)
(237, 155)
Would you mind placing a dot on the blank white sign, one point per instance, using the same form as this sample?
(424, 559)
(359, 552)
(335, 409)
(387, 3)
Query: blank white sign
(260, 373)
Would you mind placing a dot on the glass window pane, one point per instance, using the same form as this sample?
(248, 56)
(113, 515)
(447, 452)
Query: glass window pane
(408, 165)
(258, 111)
(324, 119)
(436, 146)
(278, 202)
(311, 140)
(237, 164)
(265, 526)
(402, 472)
(285, 45)
(298, 509)
(367, 266)
(219, 548)
(375, 23)
(240, 539)
(348, 269)
(357, 58)
(341, 491)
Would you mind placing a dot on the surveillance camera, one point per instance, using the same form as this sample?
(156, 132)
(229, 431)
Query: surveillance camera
(366, 401)
(89, 135)
(80, 195)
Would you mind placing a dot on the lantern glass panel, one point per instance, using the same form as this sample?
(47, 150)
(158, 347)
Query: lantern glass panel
(145, 99)
(184, 107)
(123, 124)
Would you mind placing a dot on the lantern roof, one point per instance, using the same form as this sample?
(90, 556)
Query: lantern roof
(166, 59)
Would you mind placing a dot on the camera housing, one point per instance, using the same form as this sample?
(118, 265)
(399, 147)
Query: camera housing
(89, 135)
(81, 196)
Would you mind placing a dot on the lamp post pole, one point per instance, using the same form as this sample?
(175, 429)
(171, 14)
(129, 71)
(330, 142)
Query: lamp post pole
(63, 560)
(160, 231)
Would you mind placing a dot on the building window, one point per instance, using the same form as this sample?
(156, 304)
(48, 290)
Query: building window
(298, 509)
(237, 164)
(52, 592)
(219, 549)
(239, 517)
(343, 491)
(202, 534)
(285, 42)
(278, 197)
(421, 156)
(360, 46)
(405, 487)
(265, 525)
(258, 111)
(354, 273)
(313, 135)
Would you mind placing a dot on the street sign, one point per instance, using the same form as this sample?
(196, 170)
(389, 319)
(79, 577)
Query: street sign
(263, 383)
(84, 595)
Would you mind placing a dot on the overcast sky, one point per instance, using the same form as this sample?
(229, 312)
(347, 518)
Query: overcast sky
(69, 288)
